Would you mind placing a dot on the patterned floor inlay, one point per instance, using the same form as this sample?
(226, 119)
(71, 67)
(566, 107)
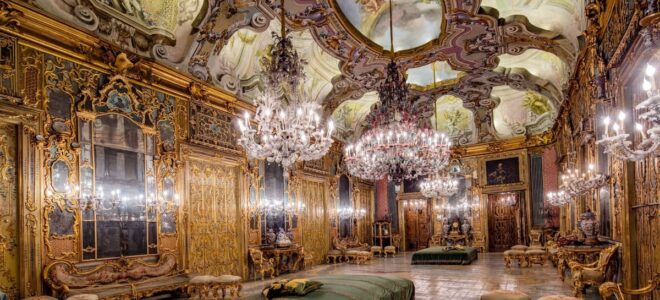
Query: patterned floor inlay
(447, 281)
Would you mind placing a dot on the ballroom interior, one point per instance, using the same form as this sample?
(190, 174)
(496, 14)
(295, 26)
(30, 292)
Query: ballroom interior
(329, 149)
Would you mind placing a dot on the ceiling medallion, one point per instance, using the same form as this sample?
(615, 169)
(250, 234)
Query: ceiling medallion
(618, 144)
(395, 145)
(288, 128)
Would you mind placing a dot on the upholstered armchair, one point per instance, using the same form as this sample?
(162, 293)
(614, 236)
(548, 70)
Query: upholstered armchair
(535, 238)
(608, 289)
(591, 274)
(261, 265)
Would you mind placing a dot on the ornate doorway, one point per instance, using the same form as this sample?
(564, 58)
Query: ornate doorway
(417, 219)
(505, 221)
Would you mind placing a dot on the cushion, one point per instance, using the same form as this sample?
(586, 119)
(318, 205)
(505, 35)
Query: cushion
(298, 287)
(390, 248)
(514, 252)
(519, 247)
(228, 278)
(505, 295)
(83, 297)
(202, 279)
(334, 252)
(535, 252)
(352, 252)
(377, 248)
(558, 297)
(536, 248)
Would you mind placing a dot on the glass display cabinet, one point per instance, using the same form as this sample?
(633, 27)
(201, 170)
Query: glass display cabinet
(382, 233)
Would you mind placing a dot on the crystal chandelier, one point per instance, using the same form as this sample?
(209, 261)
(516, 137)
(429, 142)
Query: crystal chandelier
(284, 66)
(576, 184)
(288, 129)
(277, 207)
(350, 213)
(439, 186)
(618, 144)
(558, 198)
(395, 145)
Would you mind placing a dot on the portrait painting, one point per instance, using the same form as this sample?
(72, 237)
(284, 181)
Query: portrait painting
(503, 171)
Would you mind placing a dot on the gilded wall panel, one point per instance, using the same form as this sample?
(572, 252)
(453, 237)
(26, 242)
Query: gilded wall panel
(9, 213)
(363, 197)
(215, 235)
(315, 229)
(212, 127)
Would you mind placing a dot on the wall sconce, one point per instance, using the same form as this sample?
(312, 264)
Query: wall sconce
(618, 144)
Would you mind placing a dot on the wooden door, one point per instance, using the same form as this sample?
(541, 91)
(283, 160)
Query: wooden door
(417, 220)
(502, 224)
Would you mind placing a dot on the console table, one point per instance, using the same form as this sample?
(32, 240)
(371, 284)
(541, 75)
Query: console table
(583, 254)
(285, 259)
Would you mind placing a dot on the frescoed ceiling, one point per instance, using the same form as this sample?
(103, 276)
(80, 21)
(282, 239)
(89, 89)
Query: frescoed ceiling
(481, 71)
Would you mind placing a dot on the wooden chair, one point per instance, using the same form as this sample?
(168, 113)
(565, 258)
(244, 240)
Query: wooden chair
(608, 289)
(261, 265)
(591, 274)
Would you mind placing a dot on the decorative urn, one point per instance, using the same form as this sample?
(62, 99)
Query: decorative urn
(589, 227)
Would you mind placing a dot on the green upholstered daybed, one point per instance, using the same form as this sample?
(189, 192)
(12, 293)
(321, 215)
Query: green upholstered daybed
(444, 256)
(358, 287)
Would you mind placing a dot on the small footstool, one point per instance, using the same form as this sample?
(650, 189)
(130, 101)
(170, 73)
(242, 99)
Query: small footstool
(212, 287)
(505, 295)
(351, 255)
(83, 297)
(519, 247)
(377, 249)
(558, 297)
(536, 257)
(361, 257)
(389, 250)
(335, 255)
(519, 255)
(231, 283)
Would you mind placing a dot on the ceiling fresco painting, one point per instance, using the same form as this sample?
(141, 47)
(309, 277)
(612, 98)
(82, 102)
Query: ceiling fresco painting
(239, 67)
(521, 112)
(544, 65)
(491, 57)
(454, 120)
(423, 76)
(416, 22)
(349, 116)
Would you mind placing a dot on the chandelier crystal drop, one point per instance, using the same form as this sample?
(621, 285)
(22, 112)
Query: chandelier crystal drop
(288, 127)
(285, 133)
(439, 186)
(618, 144)
(398, 149)
(395, 146)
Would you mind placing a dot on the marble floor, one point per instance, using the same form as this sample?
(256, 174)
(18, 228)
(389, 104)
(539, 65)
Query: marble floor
(449, 281)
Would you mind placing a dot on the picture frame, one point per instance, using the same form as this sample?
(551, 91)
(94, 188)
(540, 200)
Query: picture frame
(503, 171)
